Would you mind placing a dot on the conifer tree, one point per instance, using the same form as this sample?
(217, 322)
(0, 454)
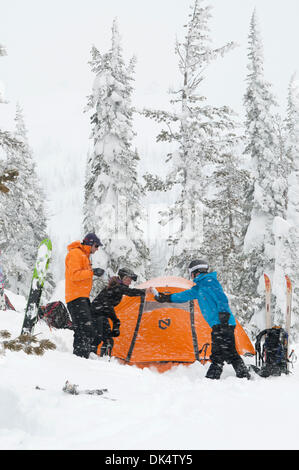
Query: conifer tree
(292, 149)
(8, 145)
(6, 141)
(226, 228)
(287, 231)
(23, 222)
(263, 146)
(205, 137)
(112, 206)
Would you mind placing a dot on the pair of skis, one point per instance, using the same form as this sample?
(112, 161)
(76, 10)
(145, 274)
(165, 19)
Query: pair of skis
(289, 293)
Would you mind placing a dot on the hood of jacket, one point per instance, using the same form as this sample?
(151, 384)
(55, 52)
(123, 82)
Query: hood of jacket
(205, 277)
(78, 244)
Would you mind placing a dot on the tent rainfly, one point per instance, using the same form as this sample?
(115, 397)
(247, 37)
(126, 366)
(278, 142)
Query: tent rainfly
(167, 334)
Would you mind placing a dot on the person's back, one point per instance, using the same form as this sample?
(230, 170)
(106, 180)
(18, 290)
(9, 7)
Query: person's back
(212, 299)
(215, 309)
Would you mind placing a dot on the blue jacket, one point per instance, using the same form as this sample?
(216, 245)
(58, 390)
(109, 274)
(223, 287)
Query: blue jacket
(211, 298)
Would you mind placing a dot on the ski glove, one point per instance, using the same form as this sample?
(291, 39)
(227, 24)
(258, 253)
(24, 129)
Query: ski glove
(163, 298)
(98, 272)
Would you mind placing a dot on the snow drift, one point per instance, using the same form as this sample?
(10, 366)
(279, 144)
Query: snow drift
(179, 409)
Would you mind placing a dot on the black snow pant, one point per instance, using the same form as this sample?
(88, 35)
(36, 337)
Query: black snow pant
(103, 334)
(80, 312)
(224, 350)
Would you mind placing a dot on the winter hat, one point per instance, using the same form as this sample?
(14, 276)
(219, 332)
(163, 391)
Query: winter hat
(198, 265)
(127, 272)
(91, 239)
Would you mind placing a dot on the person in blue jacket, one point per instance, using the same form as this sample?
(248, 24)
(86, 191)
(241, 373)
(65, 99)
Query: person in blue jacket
(215, 309)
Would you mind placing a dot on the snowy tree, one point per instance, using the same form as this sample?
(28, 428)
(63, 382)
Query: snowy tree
(287, 231)
(269, 179)
(292, 145)
(6, 141)
(206, 139)
(23, 220)
(112, 206)
(226, 227)
(8, 173)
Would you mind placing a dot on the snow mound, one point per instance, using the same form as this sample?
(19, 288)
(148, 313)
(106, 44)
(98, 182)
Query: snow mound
(179, 409)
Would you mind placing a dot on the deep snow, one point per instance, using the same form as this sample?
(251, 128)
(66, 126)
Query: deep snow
(179, 409)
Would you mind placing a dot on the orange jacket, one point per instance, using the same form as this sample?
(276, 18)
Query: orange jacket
(78, 272)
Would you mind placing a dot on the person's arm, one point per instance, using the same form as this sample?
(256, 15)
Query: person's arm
(131, 292)
(179, 297)
(75, 269)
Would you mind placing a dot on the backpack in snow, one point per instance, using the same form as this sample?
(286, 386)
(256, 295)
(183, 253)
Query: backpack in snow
(272, 357)
(55, 314)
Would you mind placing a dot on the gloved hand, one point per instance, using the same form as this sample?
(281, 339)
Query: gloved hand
(163, 297)
(98, 272)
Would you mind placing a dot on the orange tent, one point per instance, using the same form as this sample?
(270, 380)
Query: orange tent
(167, 334)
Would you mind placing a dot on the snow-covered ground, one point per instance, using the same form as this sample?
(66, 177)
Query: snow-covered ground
(179, 409)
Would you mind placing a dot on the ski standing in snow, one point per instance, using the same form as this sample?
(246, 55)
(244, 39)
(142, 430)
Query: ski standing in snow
(39, 273)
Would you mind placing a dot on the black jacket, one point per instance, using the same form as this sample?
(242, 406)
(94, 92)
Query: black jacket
(109, 297)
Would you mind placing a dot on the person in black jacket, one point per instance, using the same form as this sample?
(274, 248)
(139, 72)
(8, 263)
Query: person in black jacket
(103, 309)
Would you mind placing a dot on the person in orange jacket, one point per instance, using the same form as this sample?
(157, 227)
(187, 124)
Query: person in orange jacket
(78, 283)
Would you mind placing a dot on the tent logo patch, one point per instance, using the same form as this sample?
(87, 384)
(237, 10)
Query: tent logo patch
(163, 324)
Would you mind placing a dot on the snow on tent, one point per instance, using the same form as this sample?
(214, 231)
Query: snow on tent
(167, 334)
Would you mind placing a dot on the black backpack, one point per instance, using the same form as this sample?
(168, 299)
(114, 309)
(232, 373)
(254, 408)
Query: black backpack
(272, 356)
(56, 315)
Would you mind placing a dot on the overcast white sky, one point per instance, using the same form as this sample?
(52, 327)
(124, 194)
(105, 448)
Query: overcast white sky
(48, 44)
